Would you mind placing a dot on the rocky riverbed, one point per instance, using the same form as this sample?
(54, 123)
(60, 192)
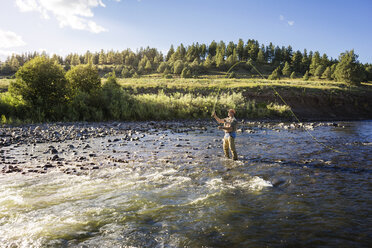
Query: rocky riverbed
(77, 148)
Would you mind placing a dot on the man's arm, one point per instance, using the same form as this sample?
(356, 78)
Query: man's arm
(217, 118)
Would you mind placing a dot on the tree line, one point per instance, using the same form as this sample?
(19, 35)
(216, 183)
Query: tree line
(198, 59)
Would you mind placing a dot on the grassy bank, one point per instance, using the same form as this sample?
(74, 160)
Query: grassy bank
(155, 98)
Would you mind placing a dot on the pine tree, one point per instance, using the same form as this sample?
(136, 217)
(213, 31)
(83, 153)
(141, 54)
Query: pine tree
(349, 69)
(315, 62)
(170, 53)
(327, 74)
(240, 49)
(275, 75)
(261, 57)
(319, 71)
(293, 75)
(306, 76)
(287, 70)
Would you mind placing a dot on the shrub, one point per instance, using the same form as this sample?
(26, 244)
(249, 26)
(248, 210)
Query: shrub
(42, 85)
(84, 78)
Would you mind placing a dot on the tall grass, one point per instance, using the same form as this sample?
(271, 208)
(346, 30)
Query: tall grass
(113, 103)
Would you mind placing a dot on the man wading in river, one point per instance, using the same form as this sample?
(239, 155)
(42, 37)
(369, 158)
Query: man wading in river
(229, 126)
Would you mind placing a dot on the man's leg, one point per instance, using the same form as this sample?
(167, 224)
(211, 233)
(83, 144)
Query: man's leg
(226, 147)
(232, 148)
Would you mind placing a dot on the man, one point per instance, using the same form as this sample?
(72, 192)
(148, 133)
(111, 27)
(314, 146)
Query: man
(229, 126)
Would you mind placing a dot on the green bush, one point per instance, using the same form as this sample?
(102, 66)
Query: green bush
(41, 83)
(83, 78)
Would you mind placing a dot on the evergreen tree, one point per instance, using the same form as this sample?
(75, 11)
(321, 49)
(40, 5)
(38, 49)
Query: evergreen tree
(219, 59)
(212, 49)
(293, 75)
(261, 57)
(178, 67)
(349, 69)
(203, 51)
(275, 75)
(75, 60)
(102, 58)
(170, 53)
(209, 62)
(319, 71)
(148, 66)
(287, 70)
(162, 67)
(186, 73)
(270, 52)
(240, 49)
(306, 76)
(296, 61)
(327, 74)
(230, 49)
(125, 73)
(315, 62)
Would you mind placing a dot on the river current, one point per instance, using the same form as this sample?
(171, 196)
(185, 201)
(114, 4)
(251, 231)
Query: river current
(174, 188)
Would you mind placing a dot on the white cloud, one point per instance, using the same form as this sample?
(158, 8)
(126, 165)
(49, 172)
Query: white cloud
(69, 13)
(10, 39)
(282, 18)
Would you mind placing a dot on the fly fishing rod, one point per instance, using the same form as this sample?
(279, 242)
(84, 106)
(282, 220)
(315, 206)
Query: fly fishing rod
(281, 98)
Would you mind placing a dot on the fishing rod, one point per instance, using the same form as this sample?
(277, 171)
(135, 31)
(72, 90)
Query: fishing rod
(281, 98)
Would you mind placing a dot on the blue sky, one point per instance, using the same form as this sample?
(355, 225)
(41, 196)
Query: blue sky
(64, 26)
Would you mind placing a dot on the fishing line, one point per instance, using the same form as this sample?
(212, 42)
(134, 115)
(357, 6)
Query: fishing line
(281, 98)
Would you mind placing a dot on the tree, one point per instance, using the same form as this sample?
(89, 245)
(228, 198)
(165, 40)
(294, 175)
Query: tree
(219, 59)
(275, 75)
(240, 49)
(349, 69)
(327, 74)
(293, 75)
(296, 61)
(287, 70)
(125, 73)
(83, 78)
(162, 67)
(102, 58)
(230, 48)
(75, 60)
(178, 67)
(41, 83)
(319, 71)
(315, 62)
(209, 62)
(186, 73)
(306, 76)
(148, 66)
(170, 53)
(261, 57)
(212, 49)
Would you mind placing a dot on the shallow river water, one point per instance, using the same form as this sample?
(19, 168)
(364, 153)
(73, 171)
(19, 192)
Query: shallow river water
(173, 188)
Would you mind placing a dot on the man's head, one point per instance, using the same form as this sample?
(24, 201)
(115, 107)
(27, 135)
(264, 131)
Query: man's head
(231, 113)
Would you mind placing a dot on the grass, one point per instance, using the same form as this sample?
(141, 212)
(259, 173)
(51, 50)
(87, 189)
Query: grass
(4, 83)
(213, 82)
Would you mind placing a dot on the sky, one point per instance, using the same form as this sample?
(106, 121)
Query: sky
(75, 26)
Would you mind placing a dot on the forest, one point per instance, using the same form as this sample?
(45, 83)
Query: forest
(202, 59)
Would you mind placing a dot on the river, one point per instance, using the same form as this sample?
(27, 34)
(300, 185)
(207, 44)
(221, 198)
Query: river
(171, 187)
